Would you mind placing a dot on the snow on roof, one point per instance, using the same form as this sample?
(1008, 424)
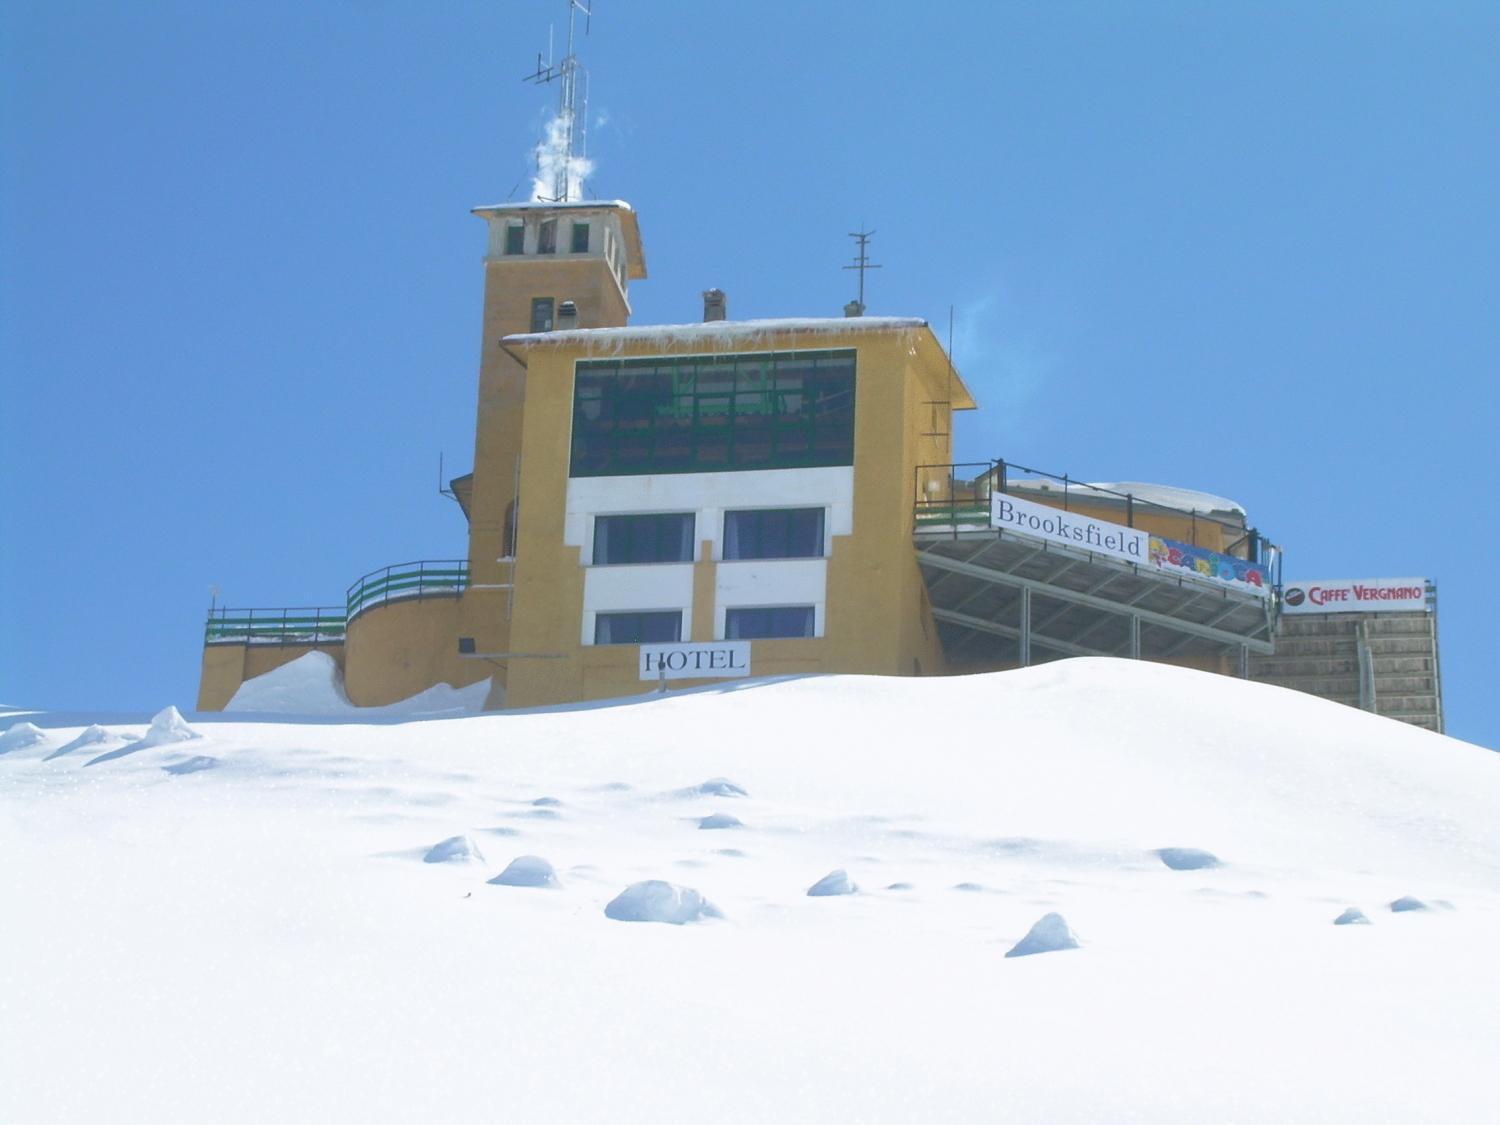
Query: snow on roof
(712, 332)
(535, 205)
(1182, 499)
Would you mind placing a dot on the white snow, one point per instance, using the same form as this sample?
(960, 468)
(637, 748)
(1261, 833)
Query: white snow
(712, 334)
(21, 736)
(1049, 935)
(1187, 859)
(262, 941)
(719, 820)
(834, 883)
(656, 900)
(313, 685)
(455, 849)
(1168, 496)
(93, 735)
(527, 871)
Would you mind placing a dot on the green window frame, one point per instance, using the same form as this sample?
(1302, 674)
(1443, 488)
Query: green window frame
(693, 414)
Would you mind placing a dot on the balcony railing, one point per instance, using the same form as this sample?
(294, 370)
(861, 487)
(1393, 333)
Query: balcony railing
(445, 578)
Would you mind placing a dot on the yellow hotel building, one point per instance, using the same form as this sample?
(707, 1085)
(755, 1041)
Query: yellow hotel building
(771, 497)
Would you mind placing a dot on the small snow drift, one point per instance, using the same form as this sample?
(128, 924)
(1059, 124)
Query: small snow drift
(546, 803)
(1049, 934)
(92, 736)
(20, 736)
(720, 820)
(834, 883)
(1407, 903)
(1188, 859)
(656, 900)
(313, 685)
(527, 871)
(717, 787)
(455, 849)
(1353, 916)
(167, 727)
(194, 764)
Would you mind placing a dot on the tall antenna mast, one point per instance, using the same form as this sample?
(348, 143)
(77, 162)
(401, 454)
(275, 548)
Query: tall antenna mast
(566, 145)
(861, 263)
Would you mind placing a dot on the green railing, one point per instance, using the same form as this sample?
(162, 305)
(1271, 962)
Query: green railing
(313, 625)
(325, 625)
(444, 578)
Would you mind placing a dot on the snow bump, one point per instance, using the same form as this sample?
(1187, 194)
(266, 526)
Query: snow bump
(527, 871)
(720, 820)
(455, 849)
(1188, 859)
(834, 883)
(656, 900)
(20, 736)
(1407, 903)
(1048, 934)
(1353, 916)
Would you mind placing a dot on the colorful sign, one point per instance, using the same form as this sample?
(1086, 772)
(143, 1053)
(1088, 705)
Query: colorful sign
(1070, 528)
(1200, 562)
(1356, 595)
(701, 660)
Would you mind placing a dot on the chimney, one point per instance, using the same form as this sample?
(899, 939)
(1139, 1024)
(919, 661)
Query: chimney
(854, 308)
(567, 316)
(715, 305)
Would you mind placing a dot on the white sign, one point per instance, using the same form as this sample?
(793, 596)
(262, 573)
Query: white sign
(1355, 595)
(1099, 536)
(699, 660)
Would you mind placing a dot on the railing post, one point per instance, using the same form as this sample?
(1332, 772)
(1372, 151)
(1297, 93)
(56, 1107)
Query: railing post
(1130, 509)
(1065, 492)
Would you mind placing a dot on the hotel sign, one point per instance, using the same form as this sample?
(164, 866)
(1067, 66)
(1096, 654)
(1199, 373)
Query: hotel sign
(698, 660)
(1356, 595)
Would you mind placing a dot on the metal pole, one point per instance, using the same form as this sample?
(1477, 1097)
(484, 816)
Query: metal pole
(1135, 637)
(1025, 637)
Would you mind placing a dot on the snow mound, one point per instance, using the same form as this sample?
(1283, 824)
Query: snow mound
(720, 820)
(1407, 903)
(20, 736)
(1353, 916)
(91, 736)
(1188, 859)
(313, 685)
(527, 871)
(1049, 934)
(167, 727)
(834, 883)
(195, 764)
(546, 803)
(716, 787)
(656, 900)
(455, 849)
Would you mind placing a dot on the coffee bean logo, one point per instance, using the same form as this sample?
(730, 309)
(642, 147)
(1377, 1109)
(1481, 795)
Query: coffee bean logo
(1294, 595)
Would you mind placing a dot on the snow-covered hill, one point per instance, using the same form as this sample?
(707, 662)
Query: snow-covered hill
(273, 920)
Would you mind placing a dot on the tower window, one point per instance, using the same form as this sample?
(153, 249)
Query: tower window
(580, 238)
(546, 237)
(515, 239)
(541, 314)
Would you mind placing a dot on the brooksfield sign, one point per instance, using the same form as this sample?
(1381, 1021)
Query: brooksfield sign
(1125, 543)
(705, 660)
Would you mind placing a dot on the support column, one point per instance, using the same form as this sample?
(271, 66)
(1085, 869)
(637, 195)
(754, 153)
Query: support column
(1025, 637)
(1135, 637)
(1244, 662)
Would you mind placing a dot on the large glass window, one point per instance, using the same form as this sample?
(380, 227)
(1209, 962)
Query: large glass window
(638, 628)
(774, 533)
(666, 538)
(679, 414)
(764, 622)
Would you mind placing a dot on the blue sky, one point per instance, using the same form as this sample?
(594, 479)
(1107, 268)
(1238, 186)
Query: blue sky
(1250, 250)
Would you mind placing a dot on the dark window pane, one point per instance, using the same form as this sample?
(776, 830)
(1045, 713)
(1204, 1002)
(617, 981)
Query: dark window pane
(541, 314)
(638, 628)
(515, 239)
(656, 538)
(778, 621)
(580, 238)
(774, 533)
(546, 237)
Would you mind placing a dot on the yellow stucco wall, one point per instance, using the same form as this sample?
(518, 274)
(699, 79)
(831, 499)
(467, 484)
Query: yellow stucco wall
(396, 649)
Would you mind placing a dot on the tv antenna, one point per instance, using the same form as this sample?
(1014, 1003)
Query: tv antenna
(862, 263)
(572, 127)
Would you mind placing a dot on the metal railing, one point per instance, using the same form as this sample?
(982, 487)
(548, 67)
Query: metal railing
(312, 625)
(959, 494)
(428, 579)
(324, 625)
